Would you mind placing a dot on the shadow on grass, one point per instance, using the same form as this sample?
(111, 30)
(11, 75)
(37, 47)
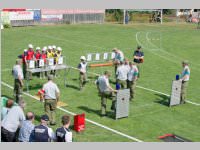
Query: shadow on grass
(33, 87)
(73, 87)
(162, 99)
(98, 112)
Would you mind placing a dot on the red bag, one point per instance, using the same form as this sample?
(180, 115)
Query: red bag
(79, 122)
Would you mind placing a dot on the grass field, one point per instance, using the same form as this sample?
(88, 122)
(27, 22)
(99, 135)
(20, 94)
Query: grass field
(149, 115)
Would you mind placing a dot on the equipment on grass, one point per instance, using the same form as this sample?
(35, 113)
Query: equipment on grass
(101, 65)
(175, 93)
(122, 103)
(79, 122)
(173, 138)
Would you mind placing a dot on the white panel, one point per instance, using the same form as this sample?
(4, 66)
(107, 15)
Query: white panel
(41, 63)
(105, 56)
(97, 56)
(60, 60)
(89, 57)
(51, 62)
(31, 64)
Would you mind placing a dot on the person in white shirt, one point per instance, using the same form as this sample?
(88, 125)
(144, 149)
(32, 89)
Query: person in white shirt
(83, 71)
(121, 75)
(50, 97)
(18, 80)
(185, 76)
(12, 121)
(63, 134)
(132, 78)
(106, 91)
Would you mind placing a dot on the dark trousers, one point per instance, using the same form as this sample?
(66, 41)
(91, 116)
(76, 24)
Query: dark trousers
(18, 89)
(7, 136)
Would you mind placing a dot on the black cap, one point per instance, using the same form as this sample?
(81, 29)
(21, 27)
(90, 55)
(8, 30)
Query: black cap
(139, 47)
(45, 118)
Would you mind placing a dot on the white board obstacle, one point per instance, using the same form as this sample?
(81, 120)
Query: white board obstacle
(175, 93)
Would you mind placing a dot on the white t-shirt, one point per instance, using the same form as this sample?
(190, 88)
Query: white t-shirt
(17, 72)
(83, 67)
(13, 119)
(103, 83)
(122, 72)
(50, 90)
(186, 72)
(132, 73)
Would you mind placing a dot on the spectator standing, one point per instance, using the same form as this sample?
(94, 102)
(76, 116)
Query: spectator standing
(12, 122)
(42, 133)
(63, 134)
(27, 127)
(6, 109)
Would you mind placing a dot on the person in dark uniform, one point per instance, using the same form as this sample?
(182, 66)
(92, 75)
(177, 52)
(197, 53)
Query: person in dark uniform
(63, 134)
(138, 58)
(42, 133)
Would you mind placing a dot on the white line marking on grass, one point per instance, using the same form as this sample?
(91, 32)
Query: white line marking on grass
(93, 122)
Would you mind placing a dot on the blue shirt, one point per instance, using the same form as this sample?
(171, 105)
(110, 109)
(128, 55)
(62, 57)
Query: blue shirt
(139, 54)
(25, 131)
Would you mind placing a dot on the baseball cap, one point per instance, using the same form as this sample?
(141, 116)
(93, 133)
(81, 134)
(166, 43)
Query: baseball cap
(45, 118)
(37, 48)
(139, 47)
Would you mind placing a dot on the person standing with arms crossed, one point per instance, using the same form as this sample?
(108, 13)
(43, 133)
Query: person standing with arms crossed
(138, 58)
(106, 91)
(50, 97)
(185, 76)
(18, 82)
(132, 78)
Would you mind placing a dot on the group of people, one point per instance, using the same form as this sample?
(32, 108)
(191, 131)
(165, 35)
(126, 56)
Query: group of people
(126, 74)
(16, 127)
(40, 54)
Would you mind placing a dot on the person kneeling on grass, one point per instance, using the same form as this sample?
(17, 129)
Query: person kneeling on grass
(83, 70)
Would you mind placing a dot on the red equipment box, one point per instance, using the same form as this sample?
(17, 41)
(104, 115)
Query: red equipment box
(79, 122)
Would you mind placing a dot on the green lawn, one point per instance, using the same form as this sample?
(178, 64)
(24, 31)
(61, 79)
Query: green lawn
(149, 116)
